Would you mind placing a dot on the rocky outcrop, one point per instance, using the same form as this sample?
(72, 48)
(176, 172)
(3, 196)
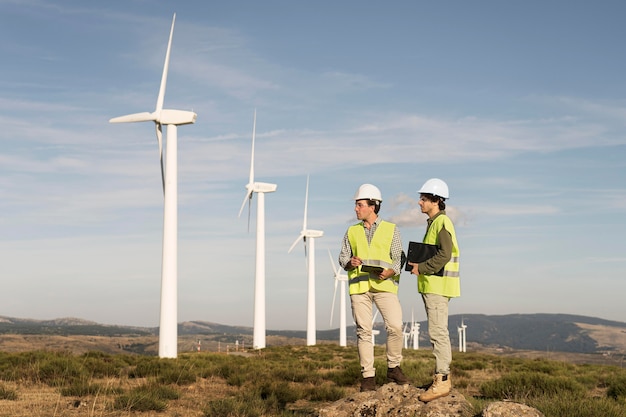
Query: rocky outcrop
(398, 401)
(401, 401)
(510, 409)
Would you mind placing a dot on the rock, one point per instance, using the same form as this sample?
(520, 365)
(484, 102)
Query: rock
(401, 401)
(510, 409)
(398, 401)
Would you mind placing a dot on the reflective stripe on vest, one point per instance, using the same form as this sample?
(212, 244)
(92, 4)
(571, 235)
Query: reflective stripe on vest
(374, 253)
(448, 285)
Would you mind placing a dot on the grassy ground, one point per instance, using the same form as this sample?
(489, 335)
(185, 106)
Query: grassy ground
(282, 381)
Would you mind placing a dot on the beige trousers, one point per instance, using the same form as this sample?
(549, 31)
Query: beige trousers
(389, 307)
(437, 314)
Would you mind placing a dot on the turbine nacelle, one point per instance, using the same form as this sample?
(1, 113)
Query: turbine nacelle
(164, 117)
(304, 234)
(262, 187)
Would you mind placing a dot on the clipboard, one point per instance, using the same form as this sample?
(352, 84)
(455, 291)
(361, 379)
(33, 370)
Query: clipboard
(372, 266)
(419, 252)
(372, 269)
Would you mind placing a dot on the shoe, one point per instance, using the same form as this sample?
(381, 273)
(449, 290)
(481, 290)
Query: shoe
(396, 375)
(440, 387)
(368, 384)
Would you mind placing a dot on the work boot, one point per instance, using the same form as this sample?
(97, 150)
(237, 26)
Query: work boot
(440, 388)
(396, 375)
(368, 384)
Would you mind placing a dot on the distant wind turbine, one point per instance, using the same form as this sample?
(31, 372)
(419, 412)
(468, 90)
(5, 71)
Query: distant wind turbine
(406, 336)
(168, 332)
(462, 339)
(342, 279)
(258, 338)
(374, 331)
(310, 260)
(415, 332)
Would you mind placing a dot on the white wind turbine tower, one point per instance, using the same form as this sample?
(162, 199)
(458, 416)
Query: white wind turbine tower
(258, 338)
(342, 279)
(310, 260)
(463, 327)
(415, 332)
(168, 332)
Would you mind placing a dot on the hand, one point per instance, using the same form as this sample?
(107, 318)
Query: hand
(415, 270)
(387, 273)
(355, 261)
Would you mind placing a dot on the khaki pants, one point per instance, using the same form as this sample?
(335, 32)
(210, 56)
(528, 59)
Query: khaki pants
(389, 307)
(437, 314)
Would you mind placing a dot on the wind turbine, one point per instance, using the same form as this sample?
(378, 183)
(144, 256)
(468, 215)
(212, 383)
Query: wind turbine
(374, 331)
(168, 332)
(258, 337)
(464, 327)
(415, 332)
(406, 336)
(310, 259)
(342, 279)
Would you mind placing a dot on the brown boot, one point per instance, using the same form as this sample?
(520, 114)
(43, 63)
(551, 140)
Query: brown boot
(440, 388)
(396, 375)
(368, 384)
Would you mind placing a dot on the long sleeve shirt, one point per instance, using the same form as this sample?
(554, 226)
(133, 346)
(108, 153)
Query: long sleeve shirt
(443, 255)
(395, 251)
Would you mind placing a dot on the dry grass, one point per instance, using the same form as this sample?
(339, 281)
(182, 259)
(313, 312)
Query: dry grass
(38, 399)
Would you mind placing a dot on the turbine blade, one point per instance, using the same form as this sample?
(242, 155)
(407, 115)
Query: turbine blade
(306, 201)
(332, 309)
(332, 263)
(249, 211)
(161, 97)
(135, 117)
(251, 180)
(159, 133)
(305, 250)
(246, 199)
(295, 242)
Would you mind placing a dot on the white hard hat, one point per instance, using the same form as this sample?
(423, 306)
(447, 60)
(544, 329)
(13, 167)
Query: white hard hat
(435, 186)
(368, 192)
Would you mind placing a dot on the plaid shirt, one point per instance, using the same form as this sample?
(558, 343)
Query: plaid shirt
(395, 251)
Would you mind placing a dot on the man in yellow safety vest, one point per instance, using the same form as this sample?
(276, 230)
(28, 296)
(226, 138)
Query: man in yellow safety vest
(438, 281)
(371, 253)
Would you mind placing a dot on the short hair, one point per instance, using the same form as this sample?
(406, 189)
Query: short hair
(435, 199)
(374, 203)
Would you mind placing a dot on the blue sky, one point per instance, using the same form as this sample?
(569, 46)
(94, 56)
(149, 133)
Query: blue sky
(520, 107)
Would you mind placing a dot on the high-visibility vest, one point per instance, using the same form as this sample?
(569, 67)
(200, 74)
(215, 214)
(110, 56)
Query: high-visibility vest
(448, 285)
(377, 252)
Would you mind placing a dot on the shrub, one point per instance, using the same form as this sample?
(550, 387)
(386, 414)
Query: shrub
(58, 370)
(325, 392)
(523, 385)
(235, 407)
(139, 402)
(80, 389)
(150, 397)
(616, 387)
(572, 405)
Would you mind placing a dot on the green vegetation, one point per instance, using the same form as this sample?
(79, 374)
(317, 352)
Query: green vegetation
(295, 380)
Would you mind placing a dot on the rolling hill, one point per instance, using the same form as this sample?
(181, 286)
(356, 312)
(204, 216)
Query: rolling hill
(539, 332)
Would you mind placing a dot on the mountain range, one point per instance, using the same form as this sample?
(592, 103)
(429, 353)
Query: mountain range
(539, 332)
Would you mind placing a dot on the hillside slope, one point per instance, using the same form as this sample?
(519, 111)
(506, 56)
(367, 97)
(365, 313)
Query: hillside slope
(539, 332)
